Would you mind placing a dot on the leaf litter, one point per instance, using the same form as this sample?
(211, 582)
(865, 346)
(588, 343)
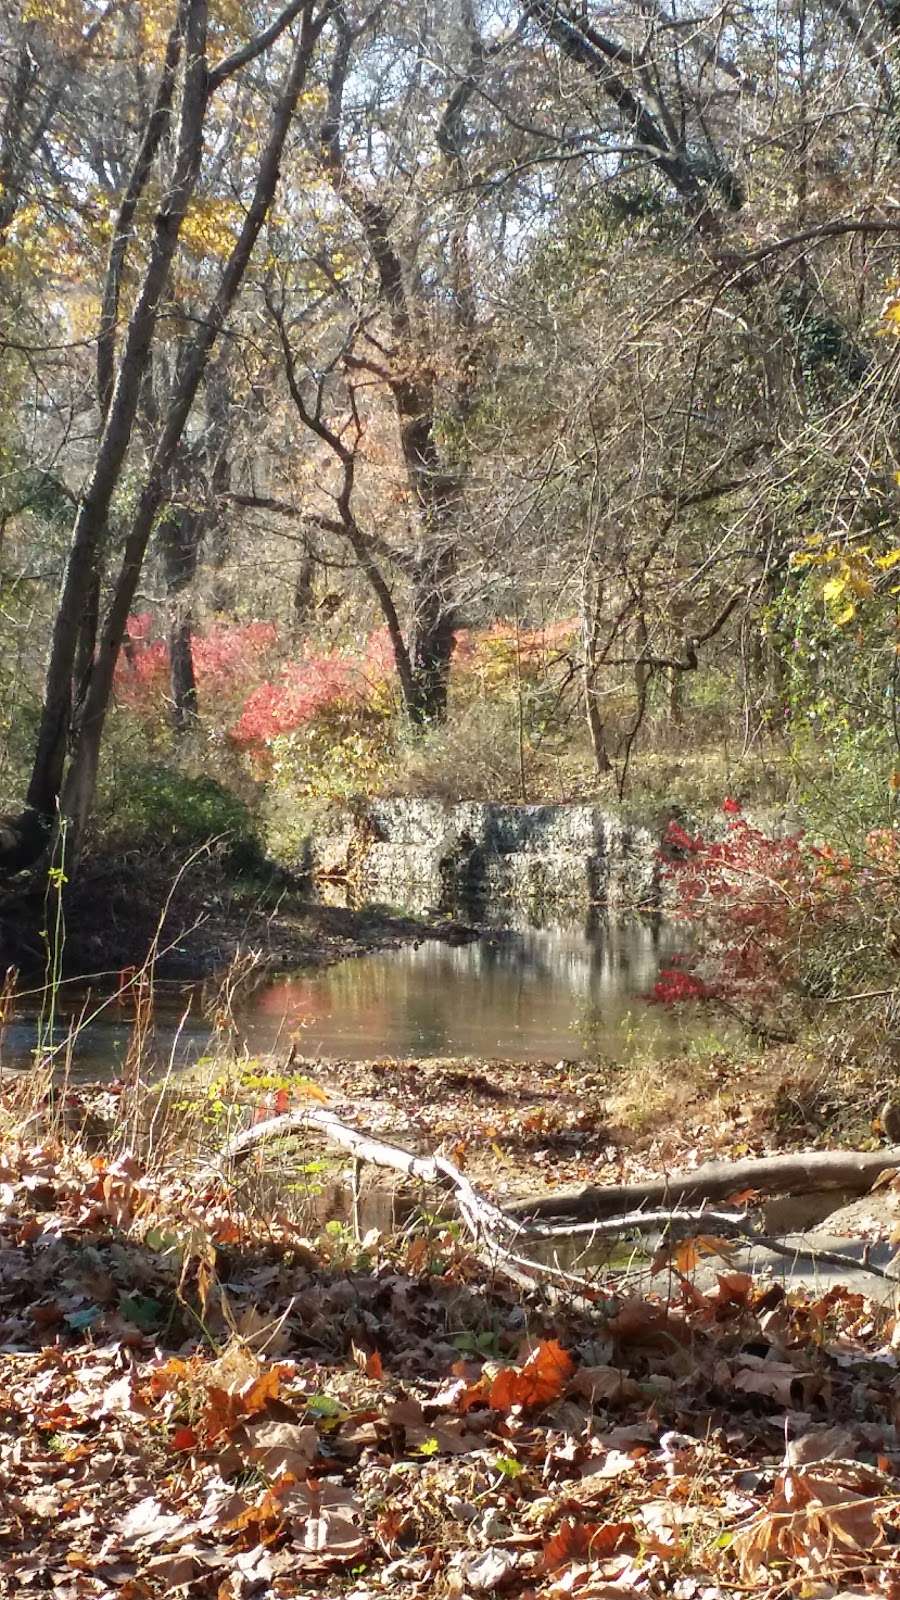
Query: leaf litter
(198, 1401)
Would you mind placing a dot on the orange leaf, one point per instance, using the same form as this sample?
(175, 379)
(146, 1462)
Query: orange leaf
(689, 1251)
(736, 1287)
(183, 1439)
(310, 1091)
(541, 1379)
(368, 1361)
(256, 1395)
(222, 1411)
(686, 1256)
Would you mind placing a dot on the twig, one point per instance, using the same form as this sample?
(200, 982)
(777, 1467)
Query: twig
(495, 1234)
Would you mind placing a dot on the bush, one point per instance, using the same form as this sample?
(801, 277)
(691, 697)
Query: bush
(473, 757)
(781, 922)
(318, 770)
(163, 808)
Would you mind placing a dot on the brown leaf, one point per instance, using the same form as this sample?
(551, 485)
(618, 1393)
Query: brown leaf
(777, 1380)
(586, 1541)
(821, 1444)
(806, 1518)
(603, 1383)
(281, 1447)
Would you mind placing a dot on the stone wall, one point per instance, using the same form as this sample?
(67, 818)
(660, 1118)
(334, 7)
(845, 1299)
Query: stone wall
(431, 852)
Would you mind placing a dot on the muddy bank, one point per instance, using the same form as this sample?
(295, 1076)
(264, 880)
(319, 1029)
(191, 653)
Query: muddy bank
(199, 919)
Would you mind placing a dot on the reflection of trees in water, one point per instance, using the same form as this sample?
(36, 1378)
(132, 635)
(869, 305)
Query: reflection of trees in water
(532, 990)
(621, 955)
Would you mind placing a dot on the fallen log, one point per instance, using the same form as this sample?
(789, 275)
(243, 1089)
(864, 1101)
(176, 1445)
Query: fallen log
(804, 1172)
(496, 1233)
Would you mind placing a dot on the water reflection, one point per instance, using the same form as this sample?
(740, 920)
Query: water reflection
(563, 990)
(529, 994)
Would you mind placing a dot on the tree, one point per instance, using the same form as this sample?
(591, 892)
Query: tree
(54, 782)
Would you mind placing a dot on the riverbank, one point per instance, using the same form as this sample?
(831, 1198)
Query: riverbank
(522, 1126)
(195, 919)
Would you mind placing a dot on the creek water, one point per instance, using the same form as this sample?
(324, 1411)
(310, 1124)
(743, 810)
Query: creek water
(567, 989)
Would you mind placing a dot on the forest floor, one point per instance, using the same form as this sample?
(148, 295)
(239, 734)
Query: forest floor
(213, 1387)
(228, 1386)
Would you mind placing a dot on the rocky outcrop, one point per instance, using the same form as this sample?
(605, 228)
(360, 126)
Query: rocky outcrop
(430, 852)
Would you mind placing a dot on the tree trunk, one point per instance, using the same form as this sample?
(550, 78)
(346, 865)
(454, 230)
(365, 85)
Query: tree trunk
(304, 595)
(676, 697)
(78, 792)
(434, 613)
(595, 726)
(181, 671)
(592, 596)
(433, 640)
(50, 754)
(179, 533)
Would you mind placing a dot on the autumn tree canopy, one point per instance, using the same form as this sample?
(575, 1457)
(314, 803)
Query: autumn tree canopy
(528, 370)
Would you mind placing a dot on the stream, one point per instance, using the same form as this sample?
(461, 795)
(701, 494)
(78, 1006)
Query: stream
(568, 990)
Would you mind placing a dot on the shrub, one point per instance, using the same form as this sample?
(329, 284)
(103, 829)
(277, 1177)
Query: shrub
(229, 659)
(475, 756)
(160, 807)
(781, 919)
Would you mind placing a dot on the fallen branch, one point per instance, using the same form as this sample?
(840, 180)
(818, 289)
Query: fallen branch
(802, 1173)
(498, 1233)
(685, 1224)
(480, 1214)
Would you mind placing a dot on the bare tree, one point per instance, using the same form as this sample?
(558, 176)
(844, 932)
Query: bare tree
(199, 82)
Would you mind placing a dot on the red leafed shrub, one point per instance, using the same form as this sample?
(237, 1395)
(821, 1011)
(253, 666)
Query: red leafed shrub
(305, 690)
(228, 659)
(777, 916)
(229, 656)
(142, 672)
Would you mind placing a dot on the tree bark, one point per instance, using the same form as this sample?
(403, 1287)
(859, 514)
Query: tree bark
(805, 1172)
(591, 619)
(50, 754)
(78, 792)
(179, 534)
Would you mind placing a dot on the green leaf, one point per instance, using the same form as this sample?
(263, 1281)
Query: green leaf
(325, 1405)
(84, 1318)
(146, 1313)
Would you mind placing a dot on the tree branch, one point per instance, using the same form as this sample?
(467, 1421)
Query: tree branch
(261, 42)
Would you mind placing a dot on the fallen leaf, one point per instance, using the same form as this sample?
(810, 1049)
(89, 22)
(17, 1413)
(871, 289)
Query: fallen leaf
(541, 1379)
(587, 1541)
(148, 1524)
(281, 1447)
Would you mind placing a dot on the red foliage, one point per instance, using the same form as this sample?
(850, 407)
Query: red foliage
(228, 658)
(674, 985)
(759, 904)
(306, 689)
(238, 676)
